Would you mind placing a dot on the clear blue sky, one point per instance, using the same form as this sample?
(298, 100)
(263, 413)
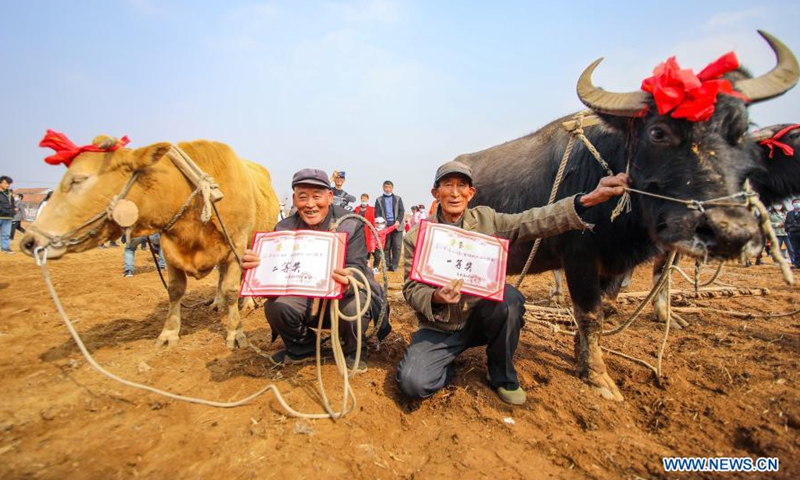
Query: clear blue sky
(382, 89)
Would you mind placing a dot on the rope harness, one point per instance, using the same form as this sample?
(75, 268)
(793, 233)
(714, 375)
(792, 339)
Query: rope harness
(67, 239)
(206, 186)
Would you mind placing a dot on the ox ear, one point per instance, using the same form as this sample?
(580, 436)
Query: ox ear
(147, 156)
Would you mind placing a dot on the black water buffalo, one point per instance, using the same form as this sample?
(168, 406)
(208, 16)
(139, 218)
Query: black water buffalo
(687, 160)
(777, 178)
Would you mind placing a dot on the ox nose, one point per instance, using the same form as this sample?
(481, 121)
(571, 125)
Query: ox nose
(28, 243)
(729, 229)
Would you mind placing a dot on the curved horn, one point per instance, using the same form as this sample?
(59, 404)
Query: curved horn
(777, 81)
(104, 141)
(601, 101)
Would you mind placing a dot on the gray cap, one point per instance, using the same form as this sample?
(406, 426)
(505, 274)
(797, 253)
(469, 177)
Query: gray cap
(311, 176)
(451, 167)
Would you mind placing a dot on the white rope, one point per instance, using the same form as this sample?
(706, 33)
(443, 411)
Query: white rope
(40, 254)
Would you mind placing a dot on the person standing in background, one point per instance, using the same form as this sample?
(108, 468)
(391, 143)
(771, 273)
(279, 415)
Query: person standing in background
(390, 207)
(7, 211)
(16, 223)
(792, 225)
(340, 197)
(130, 252)
(776, 216)
(365, 210)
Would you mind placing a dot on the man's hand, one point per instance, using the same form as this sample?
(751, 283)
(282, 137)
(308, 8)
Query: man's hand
(341, 274)
(250, 260)
(608, 188)
(450, 293)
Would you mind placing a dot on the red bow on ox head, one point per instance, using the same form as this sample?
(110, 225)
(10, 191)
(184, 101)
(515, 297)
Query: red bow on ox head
(683, 94)
(773, 142)
(66, 151)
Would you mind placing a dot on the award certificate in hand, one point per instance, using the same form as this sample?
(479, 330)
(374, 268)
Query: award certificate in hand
(445, 253)
(296, 262)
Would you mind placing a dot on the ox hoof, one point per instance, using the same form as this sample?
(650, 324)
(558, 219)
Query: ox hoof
(676, 322)
(218, 305)
(602, 384)
(236, 339)
(246, 305)
(168, 338)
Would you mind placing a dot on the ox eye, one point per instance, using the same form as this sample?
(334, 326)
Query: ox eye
(75, 181)
(658, 134)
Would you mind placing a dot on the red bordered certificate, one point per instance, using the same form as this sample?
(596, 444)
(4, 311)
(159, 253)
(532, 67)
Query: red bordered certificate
(296, 262)
(445, 253)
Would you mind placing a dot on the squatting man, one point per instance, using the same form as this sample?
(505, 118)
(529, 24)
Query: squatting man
(450, 322)
(291, 317)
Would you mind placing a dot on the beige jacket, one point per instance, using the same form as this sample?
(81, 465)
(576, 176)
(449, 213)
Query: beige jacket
(519, 227)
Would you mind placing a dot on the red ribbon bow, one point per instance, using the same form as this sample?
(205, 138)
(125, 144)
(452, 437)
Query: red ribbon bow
(773, 142)
(687, 95)
(66, 151)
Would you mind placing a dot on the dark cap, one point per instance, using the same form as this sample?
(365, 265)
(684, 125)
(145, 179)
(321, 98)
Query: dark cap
(340, 173)
(453, 167)
(311, 176)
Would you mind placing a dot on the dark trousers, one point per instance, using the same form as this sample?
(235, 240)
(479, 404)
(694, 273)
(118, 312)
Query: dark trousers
(291, 319)
(394, 244)
(428, 364)
(377, 255)
(794, 239)
(16, 225)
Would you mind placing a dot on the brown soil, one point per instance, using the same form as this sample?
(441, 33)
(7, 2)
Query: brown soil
(730, 389)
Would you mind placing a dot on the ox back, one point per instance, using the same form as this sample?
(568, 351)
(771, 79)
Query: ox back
(520, 174)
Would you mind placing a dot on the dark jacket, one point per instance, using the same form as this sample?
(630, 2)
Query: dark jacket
(792, 223)
(7, 209)
(356, 254)
(343, 199)
(397, 206)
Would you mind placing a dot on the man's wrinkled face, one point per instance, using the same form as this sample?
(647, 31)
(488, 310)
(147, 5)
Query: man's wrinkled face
(388, 188)
(312, 203)
(453, 193)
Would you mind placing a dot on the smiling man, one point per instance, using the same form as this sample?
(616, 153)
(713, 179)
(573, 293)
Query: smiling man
(450, 322)
(291, 317)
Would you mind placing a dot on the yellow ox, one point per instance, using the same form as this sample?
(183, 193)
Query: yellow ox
(160, 190)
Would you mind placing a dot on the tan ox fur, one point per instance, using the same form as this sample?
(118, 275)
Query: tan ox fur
(190, 246)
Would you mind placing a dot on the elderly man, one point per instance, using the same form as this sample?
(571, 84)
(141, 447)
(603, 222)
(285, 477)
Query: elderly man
(291, 317)
(449, 322)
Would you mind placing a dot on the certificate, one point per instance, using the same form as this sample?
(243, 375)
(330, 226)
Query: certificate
(445, 253)
(296, 262)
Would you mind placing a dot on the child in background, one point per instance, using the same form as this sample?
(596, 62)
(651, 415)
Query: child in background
(380, 242)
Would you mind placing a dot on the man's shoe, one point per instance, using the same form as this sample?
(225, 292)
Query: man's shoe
(127, 274)
(514, 397)
(9, 252)
(350, 361)
(285, 357)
